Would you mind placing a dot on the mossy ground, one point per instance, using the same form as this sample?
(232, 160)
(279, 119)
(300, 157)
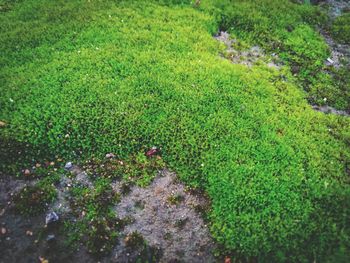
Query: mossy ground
(341, 28)
(80, 79)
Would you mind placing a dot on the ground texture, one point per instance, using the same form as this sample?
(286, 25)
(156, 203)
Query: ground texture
(170, 130)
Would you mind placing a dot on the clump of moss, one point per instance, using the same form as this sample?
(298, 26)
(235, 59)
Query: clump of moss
(340, 28)
(97, 225)
(180, 223)
(16, 156)
(333, 90)
(145, 253)
(126, 187)
(135, 169)
(141, 169)
(175, 199)
(108, 168)
(32, 200)
(288, 29)
(135, 239)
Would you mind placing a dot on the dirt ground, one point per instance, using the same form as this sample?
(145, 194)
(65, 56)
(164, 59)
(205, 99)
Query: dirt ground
(164, 215)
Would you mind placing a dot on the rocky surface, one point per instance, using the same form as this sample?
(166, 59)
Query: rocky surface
(340, 53)
(335, 7)
(330, 110)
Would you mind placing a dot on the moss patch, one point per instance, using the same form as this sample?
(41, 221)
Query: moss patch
(32, 200)
(89, 78)
(341, 28)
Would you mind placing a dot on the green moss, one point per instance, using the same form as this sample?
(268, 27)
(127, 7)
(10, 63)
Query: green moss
(135, 239)
(89, 78)
(145, 253)
(136, 169)
(32, 200)
(175, 199)
(288, 29)
(325, 90)
(340, 28)
(97, 225)
(304, 50)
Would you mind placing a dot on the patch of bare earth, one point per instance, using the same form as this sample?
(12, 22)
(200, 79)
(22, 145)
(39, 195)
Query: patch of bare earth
(340, 53)
(165, 224)
(167, 217)
(249, 56)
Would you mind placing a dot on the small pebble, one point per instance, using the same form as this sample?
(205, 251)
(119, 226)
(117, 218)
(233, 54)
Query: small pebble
(68, 165)
(110, 155)
(330, 60)
(50, 238)
(51, 218)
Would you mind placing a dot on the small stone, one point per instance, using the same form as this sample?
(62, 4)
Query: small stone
(37, 165)
(330, 60)
(3, 231)
(26, 172)
(68, 165)
(50, 238)
(52, 163)
(29, 233)
(110, 155)
(2, 124)
(2, 212)
(51, 218)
